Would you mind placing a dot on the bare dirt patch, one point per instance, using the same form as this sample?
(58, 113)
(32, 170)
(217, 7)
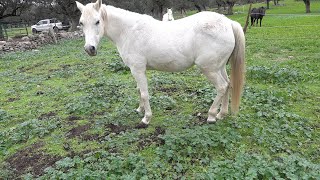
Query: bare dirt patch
(154, 138)
(117, 129)
(47, 115)
(201, 118)
(168, 90)
(31, 159)
(12, 99)
(73, 118)
(91, 137)
(78, 131)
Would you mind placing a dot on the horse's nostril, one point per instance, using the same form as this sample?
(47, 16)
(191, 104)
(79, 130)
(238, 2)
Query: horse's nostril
(92, 48)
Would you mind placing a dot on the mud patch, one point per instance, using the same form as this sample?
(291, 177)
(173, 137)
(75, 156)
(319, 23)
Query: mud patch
(78, 131)
(31, 159)
(73, 118)
(25, 69)
(117, 129)
(141, 125)
(91, 137)
(47, 115)
(109, 129)
(168, 90)
(154, 138)
(13, 99)
(201, 118)
(99, 113)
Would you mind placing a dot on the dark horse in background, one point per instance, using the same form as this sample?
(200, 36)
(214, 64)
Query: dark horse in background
(256, 14)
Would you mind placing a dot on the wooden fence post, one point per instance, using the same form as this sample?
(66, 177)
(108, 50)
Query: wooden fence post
(247, 21)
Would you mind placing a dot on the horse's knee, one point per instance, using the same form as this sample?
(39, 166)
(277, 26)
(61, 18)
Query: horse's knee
(223, 88)
(144, 96)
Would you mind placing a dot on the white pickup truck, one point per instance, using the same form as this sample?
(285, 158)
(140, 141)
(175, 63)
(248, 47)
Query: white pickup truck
(46, 24)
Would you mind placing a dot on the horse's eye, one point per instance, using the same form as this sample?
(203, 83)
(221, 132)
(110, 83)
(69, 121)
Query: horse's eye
(80, 23)
(97, 23)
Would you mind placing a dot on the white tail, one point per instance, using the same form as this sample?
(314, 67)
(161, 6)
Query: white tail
(237, 60)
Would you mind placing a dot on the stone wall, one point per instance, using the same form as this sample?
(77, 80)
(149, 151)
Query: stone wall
(36, 40)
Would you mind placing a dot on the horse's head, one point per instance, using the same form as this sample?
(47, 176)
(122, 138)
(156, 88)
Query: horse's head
(92, 23)
(170, 16)
(262, 10)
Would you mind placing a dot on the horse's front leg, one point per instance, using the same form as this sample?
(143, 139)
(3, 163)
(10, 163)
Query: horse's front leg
(140, 76)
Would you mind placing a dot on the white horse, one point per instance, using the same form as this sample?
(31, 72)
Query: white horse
(168, 16)
(206, 39)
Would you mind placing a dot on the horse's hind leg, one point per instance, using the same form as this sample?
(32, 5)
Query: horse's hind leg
(141, 104)
(221, 85)
(225, 99)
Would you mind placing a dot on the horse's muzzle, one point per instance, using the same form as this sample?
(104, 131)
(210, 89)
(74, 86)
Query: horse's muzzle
(91, 50)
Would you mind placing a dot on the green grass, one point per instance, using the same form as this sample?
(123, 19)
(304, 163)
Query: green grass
(73, 115)
(18, 32)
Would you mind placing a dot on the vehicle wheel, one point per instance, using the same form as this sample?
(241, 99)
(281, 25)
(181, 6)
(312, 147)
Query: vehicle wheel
(34, 31)
(55, 29)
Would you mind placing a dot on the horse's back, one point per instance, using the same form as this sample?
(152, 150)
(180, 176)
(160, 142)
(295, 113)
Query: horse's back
(175, 45)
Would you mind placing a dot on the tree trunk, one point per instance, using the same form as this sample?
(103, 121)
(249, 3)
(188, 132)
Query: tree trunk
(268, 4)
(307, 3)
(308, 6)
(198, 7)
(230, 9)
(1, 32)
(74, 23)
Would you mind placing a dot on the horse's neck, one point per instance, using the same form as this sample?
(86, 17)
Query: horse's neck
(119, 22)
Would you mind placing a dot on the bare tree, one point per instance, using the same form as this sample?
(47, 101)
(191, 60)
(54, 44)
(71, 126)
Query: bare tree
(69, 9)
(226, 3)
(65, 9)
(230, 4)
(181, 6)
(9, 8)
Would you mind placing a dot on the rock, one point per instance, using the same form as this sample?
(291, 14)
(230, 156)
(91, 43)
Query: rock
(36, 40)
(25, 38)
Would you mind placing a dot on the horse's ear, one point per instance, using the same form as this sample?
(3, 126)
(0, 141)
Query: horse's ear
(80, 6)
(97, 5)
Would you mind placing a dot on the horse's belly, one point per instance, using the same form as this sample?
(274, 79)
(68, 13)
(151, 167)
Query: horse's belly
(170, 65)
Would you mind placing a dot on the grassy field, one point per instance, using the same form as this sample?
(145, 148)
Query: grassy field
(18, 32)
(65, 115)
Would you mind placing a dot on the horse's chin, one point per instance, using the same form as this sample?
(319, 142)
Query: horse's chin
(92, 53)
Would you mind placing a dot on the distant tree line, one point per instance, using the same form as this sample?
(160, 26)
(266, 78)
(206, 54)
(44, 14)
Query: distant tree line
(65, 10)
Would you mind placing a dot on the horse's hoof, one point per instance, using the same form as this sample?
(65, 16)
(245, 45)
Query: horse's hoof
(211, 121)
(220, 116)
(141, 125)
